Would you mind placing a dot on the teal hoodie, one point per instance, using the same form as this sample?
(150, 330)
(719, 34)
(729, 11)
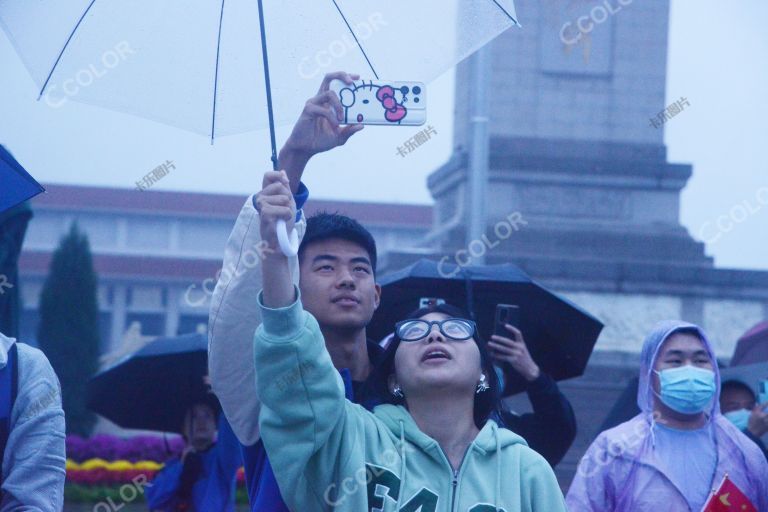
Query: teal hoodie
(331, 454)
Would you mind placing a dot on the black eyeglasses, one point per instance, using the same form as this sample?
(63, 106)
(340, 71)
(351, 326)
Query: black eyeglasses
(457, 329)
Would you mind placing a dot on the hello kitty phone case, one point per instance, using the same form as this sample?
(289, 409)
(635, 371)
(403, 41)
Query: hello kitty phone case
(381, 102)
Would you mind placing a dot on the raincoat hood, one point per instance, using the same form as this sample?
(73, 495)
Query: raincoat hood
(651, 348)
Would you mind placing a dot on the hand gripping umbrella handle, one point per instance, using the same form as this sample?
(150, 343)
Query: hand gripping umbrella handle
(290, 247)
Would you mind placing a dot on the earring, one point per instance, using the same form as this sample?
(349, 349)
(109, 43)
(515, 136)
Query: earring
(397, 392)
(482, 385)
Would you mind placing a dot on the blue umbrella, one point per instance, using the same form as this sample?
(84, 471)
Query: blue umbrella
(559, 334)
(16, 184)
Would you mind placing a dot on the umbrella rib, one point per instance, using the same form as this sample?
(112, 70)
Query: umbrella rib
(216, 74)
(356, 40)
(505, 11)
(268, 85)
(63, 49)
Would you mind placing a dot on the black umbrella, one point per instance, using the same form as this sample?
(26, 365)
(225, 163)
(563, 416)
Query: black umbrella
(153, 388)
(559, 335)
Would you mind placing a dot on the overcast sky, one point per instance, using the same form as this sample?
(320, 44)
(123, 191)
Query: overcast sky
(717, 59)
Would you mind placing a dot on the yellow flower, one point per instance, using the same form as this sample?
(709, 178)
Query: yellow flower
(94, 464)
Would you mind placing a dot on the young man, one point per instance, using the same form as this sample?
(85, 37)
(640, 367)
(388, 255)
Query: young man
(342, 295)
(678, 449)
(32, 448)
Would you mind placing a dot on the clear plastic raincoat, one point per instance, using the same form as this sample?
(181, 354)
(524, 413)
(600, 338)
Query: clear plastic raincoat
(621, 470)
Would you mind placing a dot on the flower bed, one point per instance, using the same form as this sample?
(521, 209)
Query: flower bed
(97, 468)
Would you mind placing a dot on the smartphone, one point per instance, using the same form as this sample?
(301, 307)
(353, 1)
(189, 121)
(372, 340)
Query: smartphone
(382, 102)
(506, 314)
(762, 392)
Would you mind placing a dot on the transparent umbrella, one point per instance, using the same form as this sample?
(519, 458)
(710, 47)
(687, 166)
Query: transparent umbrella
(198, 65)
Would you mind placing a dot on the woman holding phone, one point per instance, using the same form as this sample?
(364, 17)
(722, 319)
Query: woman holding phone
(432, 449)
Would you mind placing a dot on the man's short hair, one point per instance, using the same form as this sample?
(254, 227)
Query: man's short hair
(737, 385)
(325, 226)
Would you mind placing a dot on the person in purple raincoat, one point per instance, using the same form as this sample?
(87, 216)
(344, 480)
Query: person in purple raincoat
(674, 453)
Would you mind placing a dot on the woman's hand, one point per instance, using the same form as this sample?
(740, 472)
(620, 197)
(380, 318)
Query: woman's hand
(758, 420)
(515, 352)
(275, 202)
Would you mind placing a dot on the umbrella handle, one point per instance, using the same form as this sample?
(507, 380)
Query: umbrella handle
(290, 247)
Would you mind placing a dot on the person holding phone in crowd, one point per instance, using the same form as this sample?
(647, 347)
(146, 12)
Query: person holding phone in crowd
(739, 404)
(551, 428)
(203, 478)
(436, 450)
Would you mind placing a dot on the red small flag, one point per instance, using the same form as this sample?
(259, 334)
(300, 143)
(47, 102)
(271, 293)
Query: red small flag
(728, 498)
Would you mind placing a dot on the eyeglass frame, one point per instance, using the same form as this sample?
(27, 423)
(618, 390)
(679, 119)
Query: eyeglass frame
(439, 324)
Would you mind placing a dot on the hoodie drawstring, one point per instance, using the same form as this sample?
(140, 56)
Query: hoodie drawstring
(402, 464)
(498, 471)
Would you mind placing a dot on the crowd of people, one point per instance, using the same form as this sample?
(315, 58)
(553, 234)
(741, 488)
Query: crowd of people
(324, 418)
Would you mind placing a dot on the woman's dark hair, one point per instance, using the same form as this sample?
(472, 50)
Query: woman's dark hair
(486, 403)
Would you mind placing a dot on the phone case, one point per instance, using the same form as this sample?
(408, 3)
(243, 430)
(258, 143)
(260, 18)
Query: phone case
(381, 102)
(506, 314)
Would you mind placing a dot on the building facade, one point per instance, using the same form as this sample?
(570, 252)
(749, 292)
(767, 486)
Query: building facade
(158, 254)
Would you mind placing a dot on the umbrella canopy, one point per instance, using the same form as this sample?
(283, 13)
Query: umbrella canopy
(198, 64)
(16, 184)
(752, 347)
(153, 388)
(559, 335)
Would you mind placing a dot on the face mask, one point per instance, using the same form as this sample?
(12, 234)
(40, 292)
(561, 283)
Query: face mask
(687, 389)
(739, 418)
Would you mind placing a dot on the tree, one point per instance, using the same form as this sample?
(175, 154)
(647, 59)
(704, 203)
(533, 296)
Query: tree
(68, 331)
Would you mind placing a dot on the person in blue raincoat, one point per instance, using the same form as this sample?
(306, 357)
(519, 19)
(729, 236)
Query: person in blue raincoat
(203, 479)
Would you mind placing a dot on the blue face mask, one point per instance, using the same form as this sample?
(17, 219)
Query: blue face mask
(687, 389)
(739, 418)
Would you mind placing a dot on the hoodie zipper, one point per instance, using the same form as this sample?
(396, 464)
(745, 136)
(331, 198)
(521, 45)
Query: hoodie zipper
(454, 473)
(454, 484)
